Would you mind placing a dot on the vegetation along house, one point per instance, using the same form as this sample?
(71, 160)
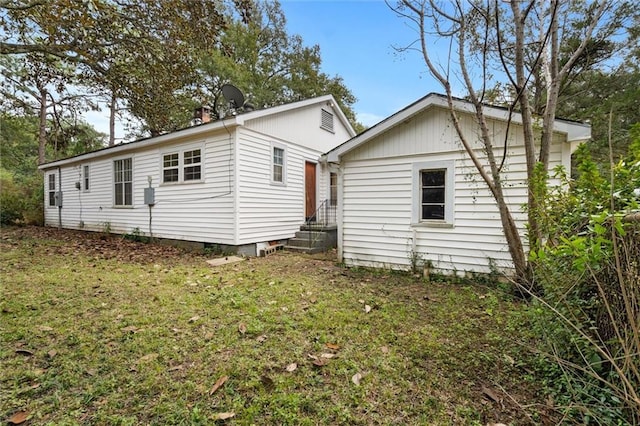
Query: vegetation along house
(237, 183)
(408, 192)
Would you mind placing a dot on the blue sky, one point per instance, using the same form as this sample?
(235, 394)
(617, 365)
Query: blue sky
(356, 39)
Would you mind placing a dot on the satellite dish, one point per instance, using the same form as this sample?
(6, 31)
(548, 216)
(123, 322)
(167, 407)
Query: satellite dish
(233, 95)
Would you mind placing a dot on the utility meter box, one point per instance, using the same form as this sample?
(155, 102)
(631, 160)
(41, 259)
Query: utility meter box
(150, 196)
(58, 198)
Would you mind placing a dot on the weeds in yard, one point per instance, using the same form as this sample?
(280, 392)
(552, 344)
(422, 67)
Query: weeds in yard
(89, 339)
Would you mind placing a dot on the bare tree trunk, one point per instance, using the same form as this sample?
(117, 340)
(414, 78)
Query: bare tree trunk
(112, 119)
(42, 128)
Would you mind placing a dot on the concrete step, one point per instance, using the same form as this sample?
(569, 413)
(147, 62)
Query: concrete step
(307, 250)
(311, 235)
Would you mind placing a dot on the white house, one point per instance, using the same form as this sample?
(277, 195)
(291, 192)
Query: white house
(408, 192)
(239, 182)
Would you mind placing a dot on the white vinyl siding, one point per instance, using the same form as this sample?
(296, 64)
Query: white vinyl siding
(380, 218)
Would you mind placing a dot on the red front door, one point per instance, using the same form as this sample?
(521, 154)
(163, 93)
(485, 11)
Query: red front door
(309, 189)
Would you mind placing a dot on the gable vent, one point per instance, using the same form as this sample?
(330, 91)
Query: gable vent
(326, 120)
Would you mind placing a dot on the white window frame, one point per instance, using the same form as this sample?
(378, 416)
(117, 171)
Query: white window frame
(86, 174)
(123, 183)
(272, 152)
(182, 166)
(172, 167)
(51, 192)
(330, 119)
(449, 195)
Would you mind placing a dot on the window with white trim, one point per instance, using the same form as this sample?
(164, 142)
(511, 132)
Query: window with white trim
(192, 165)
(52, 190)
(326, 120)
(170, 167)
(333, 189)
(85, 178)
(182, 166)
(278, 164)
(433, 192)
(123, 182)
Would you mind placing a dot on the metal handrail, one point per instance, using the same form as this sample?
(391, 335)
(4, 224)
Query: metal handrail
(324, 215)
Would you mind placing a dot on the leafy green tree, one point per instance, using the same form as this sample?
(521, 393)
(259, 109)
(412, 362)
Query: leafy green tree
(270, 66)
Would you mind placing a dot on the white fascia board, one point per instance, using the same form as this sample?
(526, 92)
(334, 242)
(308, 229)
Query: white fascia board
(327, 99)
(574, 131)
(228, 123)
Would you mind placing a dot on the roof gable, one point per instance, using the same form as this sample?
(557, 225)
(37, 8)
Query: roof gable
(575, 131)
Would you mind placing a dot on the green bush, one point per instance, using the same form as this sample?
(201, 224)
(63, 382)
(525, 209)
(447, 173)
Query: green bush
(21, 199)
(589, 306)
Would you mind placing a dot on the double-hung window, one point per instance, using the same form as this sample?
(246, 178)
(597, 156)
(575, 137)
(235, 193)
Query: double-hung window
(85, 178)
(52, 190)
(182, 166)
(192, 165)
(123, 182)
(278, 164)
(433, 192)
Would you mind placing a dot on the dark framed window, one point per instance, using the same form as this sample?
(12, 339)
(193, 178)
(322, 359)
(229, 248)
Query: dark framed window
(333, 189)
(432, 194)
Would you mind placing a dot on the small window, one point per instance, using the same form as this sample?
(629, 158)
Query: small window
(333, 189)
(85, 178)
(326, 120)
(52, 190)
(123, 182)
(278, 165)
(170, 172)
(192, 165)
(432, 194)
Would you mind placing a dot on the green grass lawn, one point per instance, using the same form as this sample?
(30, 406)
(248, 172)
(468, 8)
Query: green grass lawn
(96, 329)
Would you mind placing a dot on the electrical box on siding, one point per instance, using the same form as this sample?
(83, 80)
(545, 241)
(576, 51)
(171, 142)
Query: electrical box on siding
(58, 198)
(150, 196)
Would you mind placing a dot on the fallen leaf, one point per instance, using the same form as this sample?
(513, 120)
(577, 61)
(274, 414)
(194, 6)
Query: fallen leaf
(367, 309)
(360, 300)
(312, 356)
(332, 346)
(25, 352)
(319, 362)
(242, 328)
(130, 329)
(509, 359)
(149, 357)
(356, 379)
(194, 318)
(262, 338)
(327, 355)
(218, 383)
(490, 393)
(291, 367)
(52, 353)
(176, 368)
(224, 416)
(45, 328)
(18, 417)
